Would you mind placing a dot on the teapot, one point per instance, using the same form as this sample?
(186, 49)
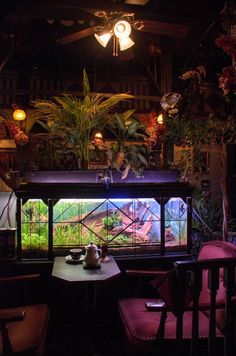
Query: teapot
(92, 255)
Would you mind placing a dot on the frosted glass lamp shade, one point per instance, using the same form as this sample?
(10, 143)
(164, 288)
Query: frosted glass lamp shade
(122, 29)
(98, 134)
(160, 119)
(103, 39)
(125, 43)
(19, 115)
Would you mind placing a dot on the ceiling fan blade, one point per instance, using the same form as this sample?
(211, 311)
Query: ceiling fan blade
(136, 2)
(75, 36)
(165, 29)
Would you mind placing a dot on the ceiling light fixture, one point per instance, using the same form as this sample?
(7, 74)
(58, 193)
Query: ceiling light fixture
(125, 43)
(122, 29)
(103, 39)
(119, 29)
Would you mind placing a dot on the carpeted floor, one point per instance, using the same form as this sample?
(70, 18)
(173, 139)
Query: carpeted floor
(94, 337)
(80, 328)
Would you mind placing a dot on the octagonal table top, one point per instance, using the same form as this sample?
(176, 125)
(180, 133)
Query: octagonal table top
(76, 273)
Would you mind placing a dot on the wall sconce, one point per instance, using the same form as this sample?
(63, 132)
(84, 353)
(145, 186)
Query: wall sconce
(98, 139)
(160, 119)
(98, 134)
(19, 115)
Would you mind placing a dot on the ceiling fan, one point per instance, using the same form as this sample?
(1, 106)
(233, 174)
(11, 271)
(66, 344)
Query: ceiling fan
(134, 12)
(105, 19)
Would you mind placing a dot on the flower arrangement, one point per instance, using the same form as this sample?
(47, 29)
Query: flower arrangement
(151, 128)
(15, 132)
(227, 79)
(191, 74)
(217, 132)
(227, 44)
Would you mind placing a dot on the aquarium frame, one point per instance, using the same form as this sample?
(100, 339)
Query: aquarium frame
(48, 191)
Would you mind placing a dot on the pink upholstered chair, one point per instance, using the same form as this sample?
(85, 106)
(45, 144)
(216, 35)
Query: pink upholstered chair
(23, 329)
(193, 309)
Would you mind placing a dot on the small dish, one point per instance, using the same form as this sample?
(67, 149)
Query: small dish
(72, 261)
(105, 259)
(86, 266)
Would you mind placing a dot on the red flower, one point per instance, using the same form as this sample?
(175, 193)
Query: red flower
(227, 80)
(228, 45)
(151, 128)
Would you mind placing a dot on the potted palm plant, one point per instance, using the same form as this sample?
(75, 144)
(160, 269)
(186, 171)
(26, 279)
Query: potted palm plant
(124, 126)
(76, 119)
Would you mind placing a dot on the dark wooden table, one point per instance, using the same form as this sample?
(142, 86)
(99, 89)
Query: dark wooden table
(89, 278)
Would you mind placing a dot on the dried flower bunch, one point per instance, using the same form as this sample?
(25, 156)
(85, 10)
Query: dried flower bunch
(191, 74)
(228, 44)
(15, 132)
(227, 79)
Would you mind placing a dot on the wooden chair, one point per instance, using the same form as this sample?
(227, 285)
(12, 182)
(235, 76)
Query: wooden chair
(195, 309)
(23, 329)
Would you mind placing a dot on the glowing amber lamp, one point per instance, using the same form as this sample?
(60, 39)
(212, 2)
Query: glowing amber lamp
(160, 119)
(98, 134)
(19, 115)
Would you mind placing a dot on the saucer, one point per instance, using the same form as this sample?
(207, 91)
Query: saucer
(70, 260)
(105, 259)
(85, 266)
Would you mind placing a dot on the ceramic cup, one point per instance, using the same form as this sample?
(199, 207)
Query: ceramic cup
(104, 249)
(75, 253)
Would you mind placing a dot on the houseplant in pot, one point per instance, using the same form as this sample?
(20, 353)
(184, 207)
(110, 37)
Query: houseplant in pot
(125, 127)
(75, 120)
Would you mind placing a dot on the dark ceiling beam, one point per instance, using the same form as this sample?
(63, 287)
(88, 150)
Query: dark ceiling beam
(68, 9)
(82, 4)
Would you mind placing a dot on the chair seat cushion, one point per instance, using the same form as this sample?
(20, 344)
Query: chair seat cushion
(29, 333)
(141, 325)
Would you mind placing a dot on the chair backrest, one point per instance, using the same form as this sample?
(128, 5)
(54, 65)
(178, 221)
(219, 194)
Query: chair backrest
(215, 250)
(212, 281)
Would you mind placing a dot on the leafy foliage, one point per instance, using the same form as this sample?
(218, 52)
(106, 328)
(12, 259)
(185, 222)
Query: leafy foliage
(123, 126)
(74, 119)
(208, 213)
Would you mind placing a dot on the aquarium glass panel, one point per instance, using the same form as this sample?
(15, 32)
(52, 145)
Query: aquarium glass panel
(140, 221)
(116, 222)
(72, 218)
(34, 226)
(175, 222)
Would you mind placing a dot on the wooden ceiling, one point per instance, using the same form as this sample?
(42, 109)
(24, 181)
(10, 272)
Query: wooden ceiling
(29, 31)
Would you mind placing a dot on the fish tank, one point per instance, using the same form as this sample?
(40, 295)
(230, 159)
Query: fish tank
(135, 217)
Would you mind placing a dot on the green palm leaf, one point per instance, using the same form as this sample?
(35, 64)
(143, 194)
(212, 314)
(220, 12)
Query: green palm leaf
(75, 119)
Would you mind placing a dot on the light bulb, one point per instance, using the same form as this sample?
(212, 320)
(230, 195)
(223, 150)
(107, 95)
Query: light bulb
(160, 119)
(125, 43)
(19, 115)
(122, 29)
(103, 39)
